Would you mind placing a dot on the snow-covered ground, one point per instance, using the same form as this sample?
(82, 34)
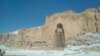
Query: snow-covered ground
(70, 50)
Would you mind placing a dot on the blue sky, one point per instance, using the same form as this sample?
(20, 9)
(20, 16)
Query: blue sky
(16, 14)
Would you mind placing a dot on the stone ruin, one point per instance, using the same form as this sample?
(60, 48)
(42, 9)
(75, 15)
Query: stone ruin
(55, 33)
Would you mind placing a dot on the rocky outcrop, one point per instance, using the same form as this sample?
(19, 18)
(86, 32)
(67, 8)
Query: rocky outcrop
(72, 25)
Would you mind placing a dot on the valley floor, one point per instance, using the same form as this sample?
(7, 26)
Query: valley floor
(71, 50)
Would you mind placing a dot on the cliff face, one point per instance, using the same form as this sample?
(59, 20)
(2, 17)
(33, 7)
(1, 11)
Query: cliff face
(68, 24)
(74, 23)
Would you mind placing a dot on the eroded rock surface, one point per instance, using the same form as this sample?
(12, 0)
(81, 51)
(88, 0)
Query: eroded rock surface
(73, 25)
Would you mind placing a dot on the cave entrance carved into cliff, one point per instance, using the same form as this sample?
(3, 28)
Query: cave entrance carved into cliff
(60, 37)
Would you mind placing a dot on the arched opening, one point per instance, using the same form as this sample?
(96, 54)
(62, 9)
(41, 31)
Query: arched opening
(60, 37)
(59, 25)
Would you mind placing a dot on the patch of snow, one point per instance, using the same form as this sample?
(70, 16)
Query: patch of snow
(14, 32)
(87, 39)
(39, 27)
(4, 47)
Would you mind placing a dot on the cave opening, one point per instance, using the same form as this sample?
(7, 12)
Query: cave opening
(60, 37)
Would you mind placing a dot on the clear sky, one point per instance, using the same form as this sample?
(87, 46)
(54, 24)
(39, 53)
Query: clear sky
(16, 14)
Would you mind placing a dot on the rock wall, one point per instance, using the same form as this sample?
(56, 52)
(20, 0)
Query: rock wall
(73, 24)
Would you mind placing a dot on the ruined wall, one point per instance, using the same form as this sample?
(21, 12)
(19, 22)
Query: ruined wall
(73, 24)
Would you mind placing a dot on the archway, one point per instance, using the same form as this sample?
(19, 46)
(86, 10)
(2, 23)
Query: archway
(60, 37)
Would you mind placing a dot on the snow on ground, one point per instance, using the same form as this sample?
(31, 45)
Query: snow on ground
(70, 50)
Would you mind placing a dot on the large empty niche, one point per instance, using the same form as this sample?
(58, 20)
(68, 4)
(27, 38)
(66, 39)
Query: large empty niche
(60, 38)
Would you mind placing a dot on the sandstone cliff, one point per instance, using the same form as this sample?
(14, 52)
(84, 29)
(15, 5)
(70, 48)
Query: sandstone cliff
(73, 24)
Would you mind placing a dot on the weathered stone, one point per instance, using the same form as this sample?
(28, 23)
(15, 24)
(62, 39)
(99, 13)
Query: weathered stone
(73, 24)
